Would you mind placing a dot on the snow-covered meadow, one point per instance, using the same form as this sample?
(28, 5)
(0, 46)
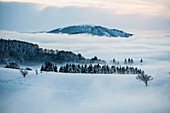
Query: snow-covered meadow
(75, 93)
(89, 93)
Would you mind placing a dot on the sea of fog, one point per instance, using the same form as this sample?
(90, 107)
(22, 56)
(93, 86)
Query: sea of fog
(154, 50)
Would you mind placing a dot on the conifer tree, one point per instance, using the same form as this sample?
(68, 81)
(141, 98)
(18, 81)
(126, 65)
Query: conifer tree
(125, 62)
(61, 69)
(128, 60)
(131, 61)
(55, 69)
(90, 68)
(42, 68)
(114, 61)
(141, 60)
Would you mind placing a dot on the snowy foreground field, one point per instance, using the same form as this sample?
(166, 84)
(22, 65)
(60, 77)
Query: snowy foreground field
(51, 92)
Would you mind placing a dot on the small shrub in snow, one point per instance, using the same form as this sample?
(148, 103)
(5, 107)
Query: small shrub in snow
(36, 72)
(12, 65)
(145, 78)
(29, 69)
(24, 72)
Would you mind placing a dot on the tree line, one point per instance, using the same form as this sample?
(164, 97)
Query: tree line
(128, 61)
(99, 69)
(93, 69)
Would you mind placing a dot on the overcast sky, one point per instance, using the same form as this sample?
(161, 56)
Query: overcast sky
(128, 15)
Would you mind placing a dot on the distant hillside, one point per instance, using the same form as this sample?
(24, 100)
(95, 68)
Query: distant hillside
(93, 30)
(24, 52)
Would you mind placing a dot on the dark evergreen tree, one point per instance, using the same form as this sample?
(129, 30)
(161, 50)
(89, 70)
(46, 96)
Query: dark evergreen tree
(90, 69)
(61, 69)
(48, 66)
(42, 68)
(123, 70)
(72, 68)
(131, 61)
(114, 61)
(85, 68)
(141, 60)
(55, 69)
(113, 70)
(125, 62)
(103, 70)
(107, 69)
(136, 70)
(66, 68)
(117, 70)
(95, 69)
(79, 69)
(128, 60)
(98, 68)
(127, 70)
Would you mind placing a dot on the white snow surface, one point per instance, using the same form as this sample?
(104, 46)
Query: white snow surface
(51, 92)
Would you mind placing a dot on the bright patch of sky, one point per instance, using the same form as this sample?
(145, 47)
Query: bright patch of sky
(147, 7)
(128, 15)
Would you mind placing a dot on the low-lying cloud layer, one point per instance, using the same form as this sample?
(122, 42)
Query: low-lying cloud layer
(153, 47)
(154, 50)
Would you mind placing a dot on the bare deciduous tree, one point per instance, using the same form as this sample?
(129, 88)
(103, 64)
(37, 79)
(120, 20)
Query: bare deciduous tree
(24, 72)
(145, 78)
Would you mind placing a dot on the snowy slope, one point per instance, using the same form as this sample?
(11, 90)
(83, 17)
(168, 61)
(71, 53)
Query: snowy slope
(74, 93)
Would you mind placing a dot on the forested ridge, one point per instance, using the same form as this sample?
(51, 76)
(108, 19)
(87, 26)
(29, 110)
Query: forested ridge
(24, 52)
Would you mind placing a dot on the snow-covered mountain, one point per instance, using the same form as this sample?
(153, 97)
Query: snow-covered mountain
(93, 30)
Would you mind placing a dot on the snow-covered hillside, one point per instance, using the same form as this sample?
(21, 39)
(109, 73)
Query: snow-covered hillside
(74, 93)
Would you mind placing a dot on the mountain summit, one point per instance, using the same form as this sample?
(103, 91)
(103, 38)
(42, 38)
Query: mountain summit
(93, 30)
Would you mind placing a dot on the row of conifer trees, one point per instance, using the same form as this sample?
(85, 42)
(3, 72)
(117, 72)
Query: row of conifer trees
(96, 68)
(99, 69)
